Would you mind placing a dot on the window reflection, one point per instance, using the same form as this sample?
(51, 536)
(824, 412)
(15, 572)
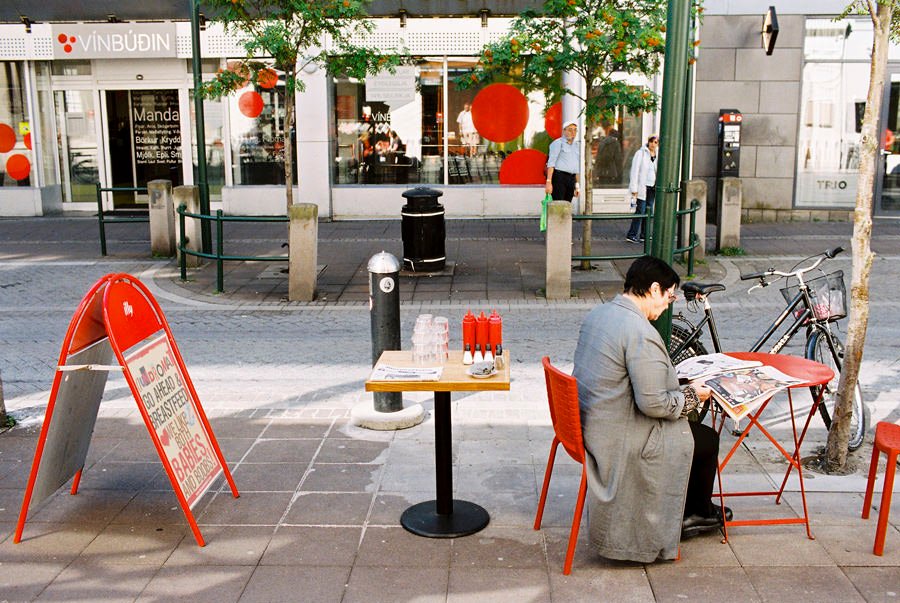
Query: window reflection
(213, 121)
(15, 136)
(77, 131)
(613, 145)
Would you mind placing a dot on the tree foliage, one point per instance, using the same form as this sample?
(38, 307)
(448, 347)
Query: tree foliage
(293, 35)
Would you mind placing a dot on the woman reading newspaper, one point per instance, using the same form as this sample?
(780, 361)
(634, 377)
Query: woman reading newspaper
(650, 471)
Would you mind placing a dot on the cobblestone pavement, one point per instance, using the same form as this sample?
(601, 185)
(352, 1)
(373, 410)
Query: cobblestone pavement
(318, 515)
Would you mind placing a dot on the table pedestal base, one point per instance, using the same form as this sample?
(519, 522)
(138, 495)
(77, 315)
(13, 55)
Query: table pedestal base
(424, 520)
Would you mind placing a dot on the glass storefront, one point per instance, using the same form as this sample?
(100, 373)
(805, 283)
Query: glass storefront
(76, 127)
(16, 157)
(214, 128)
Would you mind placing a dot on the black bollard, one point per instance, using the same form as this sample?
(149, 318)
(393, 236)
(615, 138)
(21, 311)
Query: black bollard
(384, 310)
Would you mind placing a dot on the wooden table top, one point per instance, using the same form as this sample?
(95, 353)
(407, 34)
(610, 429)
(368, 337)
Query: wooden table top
(453, 378)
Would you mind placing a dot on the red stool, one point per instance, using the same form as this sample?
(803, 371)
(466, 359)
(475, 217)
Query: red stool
(887, 440)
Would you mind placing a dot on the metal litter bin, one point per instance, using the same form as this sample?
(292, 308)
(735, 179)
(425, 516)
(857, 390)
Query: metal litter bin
(423, 231)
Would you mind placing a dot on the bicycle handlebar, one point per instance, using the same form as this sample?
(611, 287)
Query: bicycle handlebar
(826, 255)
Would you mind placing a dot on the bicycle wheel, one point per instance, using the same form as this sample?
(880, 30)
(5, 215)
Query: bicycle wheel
(817, 349)
(679, 335)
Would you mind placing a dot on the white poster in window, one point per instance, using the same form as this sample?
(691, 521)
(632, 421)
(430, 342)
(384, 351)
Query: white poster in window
(827, 189)
(395, 89)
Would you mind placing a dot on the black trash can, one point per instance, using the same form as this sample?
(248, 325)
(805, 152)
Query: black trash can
(423, 231)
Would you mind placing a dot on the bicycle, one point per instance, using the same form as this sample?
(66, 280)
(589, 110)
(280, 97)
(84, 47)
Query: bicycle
(814, 305)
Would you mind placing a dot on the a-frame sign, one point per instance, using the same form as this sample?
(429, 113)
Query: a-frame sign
(120, 318)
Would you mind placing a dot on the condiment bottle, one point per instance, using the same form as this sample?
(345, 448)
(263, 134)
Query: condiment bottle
(499, 360)
(468, 331)
(478, 356)
(495, 329)
(467, 355)
(481, 331)
(488, 356)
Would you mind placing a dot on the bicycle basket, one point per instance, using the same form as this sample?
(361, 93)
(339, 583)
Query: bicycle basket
(827, 294)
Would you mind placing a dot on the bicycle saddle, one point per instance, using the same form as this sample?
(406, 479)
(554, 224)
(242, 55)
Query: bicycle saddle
(702, 289)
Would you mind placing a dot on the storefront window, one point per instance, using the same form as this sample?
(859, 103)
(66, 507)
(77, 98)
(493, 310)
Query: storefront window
(831, 110)
(214, 126)
(613, 145)
(390, 127)
(256, 116)
(46, 117)
(77, 134)
(15, 128)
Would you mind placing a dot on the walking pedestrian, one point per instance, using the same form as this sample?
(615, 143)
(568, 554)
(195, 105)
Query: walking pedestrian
(563, 164)
(642, 186)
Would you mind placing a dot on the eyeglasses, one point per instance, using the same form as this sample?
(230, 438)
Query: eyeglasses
(672, 292)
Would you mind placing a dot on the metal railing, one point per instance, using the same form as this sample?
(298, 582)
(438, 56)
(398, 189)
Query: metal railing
(691, 212)
(219, 256)
(116, 215)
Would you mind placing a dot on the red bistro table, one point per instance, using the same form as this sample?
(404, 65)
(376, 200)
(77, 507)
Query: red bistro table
(813, 374)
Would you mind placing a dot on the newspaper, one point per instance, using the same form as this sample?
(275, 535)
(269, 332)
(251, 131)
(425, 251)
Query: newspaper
(740, 392)
(698, 367)
(385, 372)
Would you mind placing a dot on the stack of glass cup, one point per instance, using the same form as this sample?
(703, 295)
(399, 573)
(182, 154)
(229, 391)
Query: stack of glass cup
(431, 339)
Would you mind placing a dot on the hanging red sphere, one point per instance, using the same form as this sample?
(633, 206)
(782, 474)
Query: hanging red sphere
(267, 78)
(27, 140)
(500, 112)
(553, 121)
(523, 167)
(7, 138)
(251, 103)
(18, 166)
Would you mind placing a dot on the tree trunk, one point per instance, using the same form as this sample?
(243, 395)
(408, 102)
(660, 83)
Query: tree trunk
(588, 192)
(288, 148)
(839, 436)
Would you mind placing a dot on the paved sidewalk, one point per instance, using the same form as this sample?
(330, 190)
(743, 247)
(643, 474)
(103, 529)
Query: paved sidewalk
(318, 515)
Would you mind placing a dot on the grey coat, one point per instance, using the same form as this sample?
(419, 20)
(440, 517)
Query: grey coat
(638, 449)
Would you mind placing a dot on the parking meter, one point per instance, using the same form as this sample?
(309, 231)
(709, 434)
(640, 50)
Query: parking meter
(728, 159)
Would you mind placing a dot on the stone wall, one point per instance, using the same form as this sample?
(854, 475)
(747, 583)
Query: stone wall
(733, 72)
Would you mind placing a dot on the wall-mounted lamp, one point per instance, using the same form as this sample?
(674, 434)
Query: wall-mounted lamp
(769, 30)
(403, 14)
(202, 21)
(112, 18)
(485, 13)
(27, 23)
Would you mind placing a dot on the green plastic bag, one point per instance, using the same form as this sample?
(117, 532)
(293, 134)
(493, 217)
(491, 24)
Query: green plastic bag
(547, 199)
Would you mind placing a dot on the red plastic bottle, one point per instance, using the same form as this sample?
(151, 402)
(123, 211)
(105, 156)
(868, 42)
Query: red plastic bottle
(468, 331)
(481, 331)
(495, 329)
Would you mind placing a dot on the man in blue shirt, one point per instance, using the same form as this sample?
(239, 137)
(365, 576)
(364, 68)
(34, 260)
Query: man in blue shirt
(563, 164)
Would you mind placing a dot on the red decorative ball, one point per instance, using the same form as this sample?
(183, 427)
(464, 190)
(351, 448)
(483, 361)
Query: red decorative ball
(523, 167)
(7, 138)
(251, 104)
(500, 112)
(18, 166)
(267, 78)
(27, 140)
(553, 120)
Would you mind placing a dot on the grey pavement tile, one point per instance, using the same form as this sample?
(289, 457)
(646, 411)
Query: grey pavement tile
(237, 427)
(234, 449)
(512, 509)
(498, 585)
(94, 581)
(151, 508)
(269, 477)
(500, 451)
(138, 448)
(672, 582)
(224, 545)
(46, 542)
(389, 585)
(408, 478)
(282, 451)
(120, 476)
(828, 508)
(852, 545)
(24, 581)
(313, 546)
(777, 546)
(586, 558)
(134, 545)
(10, 504)
(622, 585)
(389, 507)
(291, 428)
(876, 584)
(417, 452)
(212, 584)
(496, 478)
(395, 547)
(803, 584)
(500, 547)
(329, 508)
(352, 451)
(342, 477)
(251, 508)
(90, 506)
(707, 550)
(284, 583)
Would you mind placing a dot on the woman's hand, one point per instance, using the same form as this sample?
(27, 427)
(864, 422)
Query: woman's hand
(703, 392)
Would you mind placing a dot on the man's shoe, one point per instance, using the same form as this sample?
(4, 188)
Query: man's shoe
(697, 524)
(631, 239)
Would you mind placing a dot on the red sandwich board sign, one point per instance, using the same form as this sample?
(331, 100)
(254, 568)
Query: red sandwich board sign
(119, 317)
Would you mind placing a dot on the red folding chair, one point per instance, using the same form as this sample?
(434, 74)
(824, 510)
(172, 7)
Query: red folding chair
(562, 394)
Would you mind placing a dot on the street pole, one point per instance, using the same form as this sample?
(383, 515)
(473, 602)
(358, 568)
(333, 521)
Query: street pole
(671, 129)
(205, 230)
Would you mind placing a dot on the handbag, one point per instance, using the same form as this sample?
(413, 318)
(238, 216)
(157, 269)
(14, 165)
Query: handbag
(547, 199)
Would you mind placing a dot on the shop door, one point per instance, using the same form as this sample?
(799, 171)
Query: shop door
(887, 177)
(144, 134)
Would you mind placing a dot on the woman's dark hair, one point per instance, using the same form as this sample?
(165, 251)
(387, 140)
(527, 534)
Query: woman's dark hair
(647, 270)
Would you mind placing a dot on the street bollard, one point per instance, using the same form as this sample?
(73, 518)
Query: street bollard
(384, 311)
